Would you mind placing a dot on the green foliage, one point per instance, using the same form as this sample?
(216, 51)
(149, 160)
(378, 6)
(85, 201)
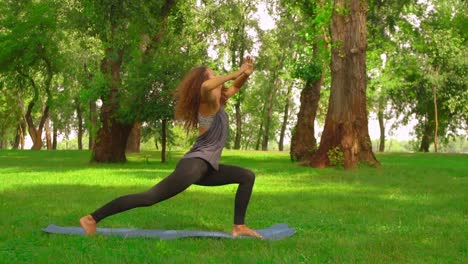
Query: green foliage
(336, 157)
(311, 47)
(10, 114)
(308, 71)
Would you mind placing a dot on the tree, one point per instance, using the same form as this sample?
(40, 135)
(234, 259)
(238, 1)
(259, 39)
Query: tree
(29, 53)
(383, 17)
(118, 25)
(429, 64)
(310, 67)
(274, 68)
(346, 125)
(160, 70)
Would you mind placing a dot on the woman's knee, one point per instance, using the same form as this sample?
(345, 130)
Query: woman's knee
(249, 176)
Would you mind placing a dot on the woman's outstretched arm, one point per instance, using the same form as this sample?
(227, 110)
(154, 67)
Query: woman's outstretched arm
(214, 82)
(241, 79)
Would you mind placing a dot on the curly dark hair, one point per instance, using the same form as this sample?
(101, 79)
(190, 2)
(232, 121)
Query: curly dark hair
(188, 96)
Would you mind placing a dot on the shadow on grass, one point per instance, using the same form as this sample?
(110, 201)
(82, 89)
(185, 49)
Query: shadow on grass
(145, 165)
(56, 161)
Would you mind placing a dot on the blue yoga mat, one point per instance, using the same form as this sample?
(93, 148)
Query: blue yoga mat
(277, 231)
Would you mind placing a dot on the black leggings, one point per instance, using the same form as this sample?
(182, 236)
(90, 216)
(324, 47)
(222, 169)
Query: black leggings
(187, 172)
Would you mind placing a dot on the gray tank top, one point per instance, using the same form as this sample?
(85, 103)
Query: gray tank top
(210, 144)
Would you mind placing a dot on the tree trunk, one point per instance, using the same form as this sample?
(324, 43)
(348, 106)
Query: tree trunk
(163, 140)
(285, 119)
(436, 128)
(267, 120)
(54, 137)
(23, 135)
(3, 143)
(270, 103)
(112, 139)
(380, 116)
(36, 134)
(19, 138)
(303, 142)
(268, 114)
(426, 138)
(48, 137)
(238, 137)
(133, 142)
(79, 114)
(236, 61)
(112, 136)
(259, 136)
(346, 124)
(156, 142)
(93, 124)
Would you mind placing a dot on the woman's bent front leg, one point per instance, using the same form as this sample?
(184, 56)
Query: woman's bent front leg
(228, 174)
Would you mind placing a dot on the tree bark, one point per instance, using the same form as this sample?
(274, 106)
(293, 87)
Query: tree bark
(133, 143)
(238, 137)
(303, 142)
(267, 119)
(285, 119)
(436, 116)
(269, 109)
(163, 140)
(93, 124)
(36, 133)
(346, 124)
(259, 136)
(19, 138)
(3, 143)
(380, 117)
(23, 135)
(48, 136)
(79, 115)
(426, 138)
(239, 46)
(22, 124)
(54, 137)
(156, 142)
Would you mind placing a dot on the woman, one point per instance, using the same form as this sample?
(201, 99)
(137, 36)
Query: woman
(201, 98)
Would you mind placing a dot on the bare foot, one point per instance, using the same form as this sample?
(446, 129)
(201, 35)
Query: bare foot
(88, 224)
(243, 230)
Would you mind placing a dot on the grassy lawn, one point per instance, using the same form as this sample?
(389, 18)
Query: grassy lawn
(413, 209)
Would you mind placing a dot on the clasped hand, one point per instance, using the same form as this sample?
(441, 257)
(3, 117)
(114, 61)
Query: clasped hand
(247, 66)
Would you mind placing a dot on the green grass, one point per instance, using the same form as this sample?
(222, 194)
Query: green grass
(413, 209)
